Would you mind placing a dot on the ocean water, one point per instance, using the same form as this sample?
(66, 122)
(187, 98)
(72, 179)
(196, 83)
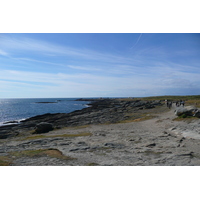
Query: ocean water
(18, 109)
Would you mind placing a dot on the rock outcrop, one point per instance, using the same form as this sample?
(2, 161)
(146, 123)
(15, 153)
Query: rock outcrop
(187, 111)
(99, 111)
(43, 127)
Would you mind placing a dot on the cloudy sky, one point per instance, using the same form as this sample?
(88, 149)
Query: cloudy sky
(99, 65)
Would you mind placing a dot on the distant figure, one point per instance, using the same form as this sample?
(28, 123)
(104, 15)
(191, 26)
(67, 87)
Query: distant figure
(182, 103)
(177, 104)
(169, 104)
(166, 102)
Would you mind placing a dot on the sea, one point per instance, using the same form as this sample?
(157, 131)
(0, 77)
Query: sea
(20, 109)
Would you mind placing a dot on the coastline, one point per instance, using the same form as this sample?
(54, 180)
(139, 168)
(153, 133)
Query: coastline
(114, 132)
(99, 111)
(30, 107)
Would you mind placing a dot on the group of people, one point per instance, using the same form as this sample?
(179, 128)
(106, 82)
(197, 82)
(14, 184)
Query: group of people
(178, 103)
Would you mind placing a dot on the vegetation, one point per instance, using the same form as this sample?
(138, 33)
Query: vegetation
(190, 99)
(5, 161)
(185, 118)
(55, 136)
(54, 153)
(92, 164)
(172, 98)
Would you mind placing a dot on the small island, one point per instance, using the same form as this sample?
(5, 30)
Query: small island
(46, 102)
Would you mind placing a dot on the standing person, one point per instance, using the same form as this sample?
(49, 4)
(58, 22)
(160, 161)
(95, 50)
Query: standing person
(183, 103)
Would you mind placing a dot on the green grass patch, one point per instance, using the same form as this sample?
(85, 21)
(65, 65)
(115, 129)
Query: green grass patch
(174, 98)
(55, 136)
(80, 127)
(92, 164)
(185, 118)
(54, 153)
(189, 100)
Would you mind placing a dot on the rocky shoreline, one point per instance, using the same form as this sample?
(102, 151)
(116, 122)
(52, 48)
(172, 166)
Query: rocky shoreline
(100, 111)
(111, 132)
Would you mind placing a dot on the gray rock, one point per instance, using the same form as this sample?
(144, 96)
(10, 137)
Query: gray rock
(113, 145)
(151, 145)
(188, 111)
(82, 143)
(197, 113)
(43, 127)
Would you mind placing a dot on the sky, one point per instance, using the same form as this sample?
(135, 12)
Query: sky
(56, 65)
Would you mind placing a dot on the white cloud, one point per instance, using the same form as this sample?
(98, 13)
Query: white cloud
(15, 45)
(84, 68)
(148, 72)
(3, 53)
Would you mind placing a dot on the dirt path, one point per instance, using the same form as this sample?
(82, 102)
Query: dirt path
(157, 141)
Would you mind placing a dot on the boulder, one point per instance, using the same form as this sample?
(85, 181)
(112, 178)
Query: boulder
(43, 127)
(188, 111)
(197, 113)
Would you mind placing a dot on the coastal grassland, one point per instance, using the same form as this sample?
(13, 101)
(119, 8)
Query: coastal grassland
(171, 98)
(189, 99)
(185, 118)
(53, 153)
(33, 137)
(195, 102)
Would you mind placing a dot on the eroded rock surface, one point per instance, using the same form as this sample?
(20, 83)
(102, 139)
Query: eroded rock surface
(159, 141)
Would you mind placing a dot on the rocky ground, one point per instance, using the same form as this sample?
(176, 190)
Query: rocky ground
(114, 133)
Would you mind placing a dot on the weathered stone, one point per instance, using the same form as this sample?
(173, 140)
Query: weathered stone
(82, 144)
(43, 127)
(100, 111)
(188, 111)
(151, 145)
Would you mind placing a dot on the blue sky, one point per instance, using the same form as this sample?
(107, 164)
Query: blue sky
(99, 65)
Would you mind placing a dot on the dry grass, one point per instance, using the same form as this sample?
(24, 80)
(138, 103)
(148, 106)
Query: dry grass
(190, 99)
(187, 119)
(92, 164)
(55, 136)
(194, 102)
(143, 118)
(5, 161)
(53, 153)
